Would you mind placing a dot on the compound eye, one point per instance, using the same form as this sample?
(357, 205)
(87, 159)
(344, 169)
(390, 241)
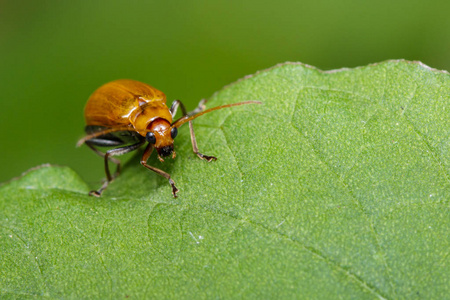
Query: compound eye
(174, 132)
(150, 137)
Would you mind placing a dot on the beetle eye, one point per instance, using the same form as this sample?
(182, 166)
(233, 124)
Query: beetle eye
(174, 132)
(150, 137)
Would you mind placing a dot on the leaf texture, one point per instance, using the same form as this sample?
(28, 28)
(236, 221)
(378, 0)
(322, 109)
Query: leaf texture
(337, 187)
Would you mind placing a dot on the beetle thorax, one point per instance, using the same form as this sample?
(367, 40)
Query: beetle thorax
(145, 113)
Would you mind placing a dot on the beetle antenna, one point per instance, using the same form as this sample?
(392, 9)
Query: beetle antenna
(188, 118)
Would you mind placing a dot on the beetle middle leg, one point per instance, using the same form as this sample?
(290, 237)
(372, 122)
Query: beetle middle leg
(173, 109)
(147, 152)
(111, 159)
(107, 156)
(200, 107)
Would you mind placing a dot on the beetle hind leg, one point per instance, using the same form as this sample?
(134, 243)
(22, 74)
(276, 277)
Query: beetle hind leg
(98, 193)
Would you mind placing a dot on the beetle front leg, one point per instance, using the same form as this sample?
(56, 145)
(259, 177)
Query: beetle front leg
(145, 157)
(200, 107)
(195, 148)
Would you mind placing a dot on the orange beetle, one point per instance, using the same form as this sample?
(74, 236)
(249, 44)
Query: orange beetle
(128, 113)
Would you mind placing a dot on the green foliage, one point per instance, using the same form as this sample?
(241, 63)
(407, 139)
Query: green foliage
(336, 187)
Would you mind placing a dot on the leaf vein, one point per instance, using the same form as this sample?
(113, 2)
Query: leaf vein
(357, 202)
(431, 150)
(45, 292)
(365, 285)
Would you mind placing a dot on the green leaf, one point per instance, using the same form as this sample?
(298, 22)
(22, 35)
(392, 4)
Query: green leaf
(336, 187)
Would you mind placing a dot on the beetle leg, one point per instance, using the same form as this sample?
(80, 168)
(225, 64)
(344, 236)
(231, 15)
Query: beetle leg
(200, 107)
(107, 156)
(195, 148)
(145, 156)
(99, 192)
(173, 109)
(112, 159)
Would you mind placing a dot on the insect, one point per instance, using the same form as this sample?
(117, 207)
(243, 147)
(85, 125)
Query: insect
(126, 114)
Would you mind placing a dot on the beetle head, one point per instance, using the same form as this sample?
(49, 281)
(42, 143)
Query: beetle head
(161, 136)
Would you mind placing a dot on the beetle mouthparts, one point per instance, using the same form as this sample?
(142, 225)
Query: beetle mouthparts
(165, 151)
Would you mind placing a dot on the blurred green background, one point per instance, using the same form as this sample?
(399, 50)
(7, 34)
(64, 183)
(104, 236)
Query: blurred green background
(54, 54)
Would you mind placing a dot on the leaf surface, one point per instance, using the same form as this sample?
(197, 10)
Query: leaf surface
(336, 187)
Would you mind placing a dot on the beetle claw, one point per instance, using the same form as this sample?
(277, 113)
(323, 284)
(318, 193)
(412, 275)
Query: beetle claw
(95, 193)
(206, 157)
(174, 191)
(210, 158)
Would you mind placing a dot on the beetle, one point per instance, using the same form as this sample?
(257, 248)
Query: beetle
(126, 114)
